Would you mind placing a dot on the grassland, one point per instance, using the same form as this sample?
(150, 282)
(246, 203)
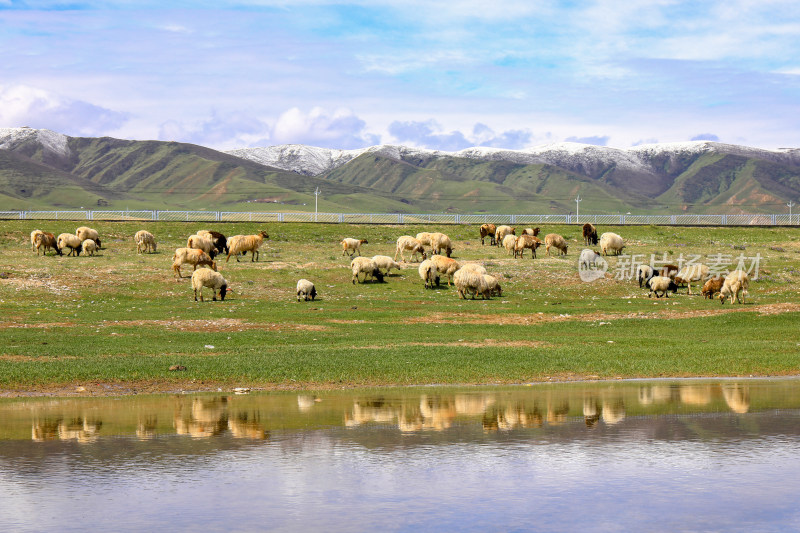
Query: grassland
(116, 322)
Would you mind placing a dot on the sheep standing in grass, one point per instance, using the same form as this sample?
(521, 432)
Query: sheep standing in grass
(556, 241)
(73, 242)
(501, 232)
(531, 231)
(440, 242)
(88, 233)
(470, 283)
(218, 239)
(191, 256)
(661, 284)
(306, 289)
(145, 241)
(690, 273)
(368, 267)
(493, 285)
(668, 270)
(46, 241)
(526, 242)
(488, 230)
(643, 274)
(446, 266)
(352, 246)
(509, 242)
(473, 267)
(611, 242)
(409, 243)
(34, 233)
(735, 283)
(427, 271)
(712, 286)
(208, 278)
(89, 247)
(424, 238)
(589, 234)
(588, 257)
(385, 263)
(246, 243)
(201, 242)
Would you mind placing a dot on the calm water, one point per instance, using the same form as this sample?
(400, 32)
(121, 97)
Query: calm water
(627, 456)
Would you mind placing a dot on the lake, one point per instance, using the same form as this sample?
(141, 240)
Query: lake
(689, 455)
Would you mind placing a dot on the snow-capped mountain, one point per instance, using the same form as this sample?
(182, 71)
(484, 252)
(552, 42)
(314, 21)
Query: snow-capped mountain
(49, 140)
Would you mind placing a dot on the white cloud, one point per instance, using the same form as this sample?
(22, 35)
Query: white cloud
(319, 127)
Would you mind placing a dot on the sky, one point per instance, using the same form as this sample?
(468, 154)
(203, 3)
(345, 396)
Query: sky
(432, 74)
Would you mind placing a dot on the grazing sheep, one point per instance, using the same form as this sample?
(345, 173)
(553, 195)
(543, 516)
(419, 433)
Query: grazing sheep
(211, 279)
(690, 273)
(245, 243)
(735, 283)
(46, 240)
(384, 262)
(88, 233)
(661, 284)
(89, 247)
(493, 285)
(589, 234)
(712, 286)
(501, 232)
(611, 242)
(509, 242)
(643, 274)
(145, 241)
(439, 242)
(669, 270)
(446, 266)
(428, 273)
(73, 242)
(34, 233)
(588, 257)
(531, 231)
(352, 246)
(473, 267)
(219, 240)
(201, 242)
(368, 267)
(488, 230)
(407, 242)
(470, 283)
(526, 241)
(306, 289)
(424, 237)
(191, 256)
(556, 241)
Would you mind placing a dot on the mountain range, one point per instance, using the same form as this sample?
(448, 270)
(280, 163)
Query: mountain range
(41, 169)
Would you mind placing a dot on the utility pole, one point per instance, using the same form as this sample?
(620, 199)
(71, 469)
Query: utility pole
(790, 205)
(317, 192)
(577, 208)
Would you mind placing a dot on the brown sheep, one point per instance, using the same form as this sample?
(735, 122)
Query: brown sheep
(191, 256)
(245, 243)
(524, 242)
(488, 230)
(712, 286)
(556, 241)
(589, 234)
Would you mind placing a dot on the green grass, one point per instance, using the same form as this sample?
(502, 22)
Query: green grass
(122, 318)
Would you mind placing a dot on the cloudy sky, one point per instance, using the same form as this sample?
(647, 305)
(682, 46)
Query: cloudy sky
(434, 74)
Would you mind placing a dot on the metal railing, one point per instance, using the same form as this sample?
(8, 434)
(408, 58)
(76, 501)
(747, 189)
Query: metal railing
(402, 218)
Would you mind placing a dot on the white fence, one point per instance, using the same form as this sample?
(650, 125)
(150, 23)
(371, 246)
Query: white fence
(398, 218)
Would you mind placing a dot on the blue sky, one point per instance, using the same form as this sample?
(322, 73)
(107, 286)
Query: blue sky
(433, 74)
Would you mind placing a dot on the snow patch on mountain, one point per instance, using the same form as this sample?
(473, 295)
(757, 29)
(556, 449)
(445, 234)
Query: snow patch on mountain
(50, 140)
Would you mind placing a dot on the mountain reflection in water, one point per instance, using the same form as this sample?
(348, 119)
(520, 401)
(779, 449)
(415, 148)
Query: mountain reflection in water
(691, 455)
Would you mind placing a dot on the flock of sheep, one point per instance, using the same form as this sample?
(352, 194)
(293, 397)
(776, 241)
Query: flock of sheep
(433, 248)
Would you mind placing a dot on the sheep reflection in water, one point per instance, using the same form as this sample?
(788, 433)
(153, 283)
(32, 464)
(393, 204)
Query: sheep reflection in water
(209, 417)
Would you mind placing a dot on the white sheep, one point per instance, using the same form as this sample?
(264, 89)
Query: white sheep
(690, 273)
(145, 241)
(384, 262)
(409, 243)
(446, 266)
(427, 271)
(306, 289)
(191, 256)
(201, 242)
(245, 243)
(509, 242)
(88, 233)
(368, 267)
(662, 284)
(736, 283)
(611, 242)
(424, 237)
(588, 257)
(352, 246)
(556, 241)
(439, 242)
(501, 232)
(73, 242)
(473, 267)
(89, 247)
(643, 274)
(493, 285)
(206, 277)
(470, 283)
